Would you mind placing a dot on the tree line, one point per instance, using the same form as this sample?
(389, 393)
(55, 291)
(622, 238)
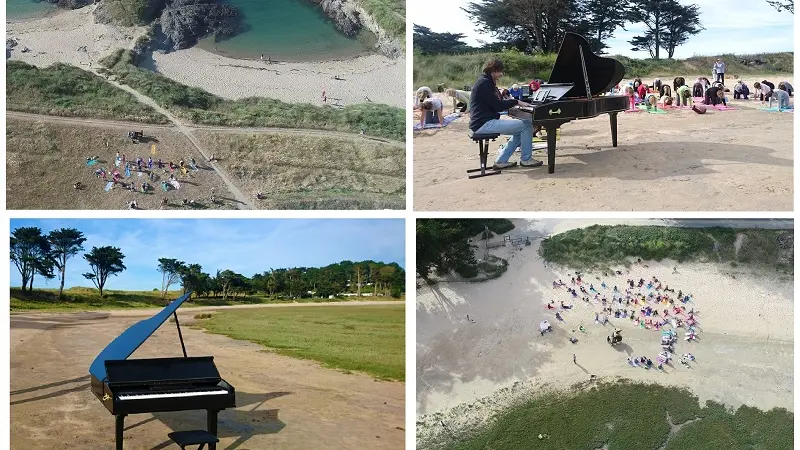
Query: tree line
(443, 244)
(539, 25)
(34, 253)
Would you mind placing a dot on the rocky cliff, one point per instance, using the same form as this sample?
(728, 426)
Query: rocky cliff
(350, 17)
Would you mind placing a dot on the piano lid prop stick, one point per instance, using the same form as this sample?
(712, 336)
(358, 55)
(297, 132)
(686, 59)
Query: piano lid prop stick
(585, 75)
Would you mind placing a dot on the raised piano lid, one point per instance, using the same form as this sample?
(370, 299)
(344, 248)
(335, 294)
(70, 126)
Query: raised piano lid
(127, 342)
(604, 73)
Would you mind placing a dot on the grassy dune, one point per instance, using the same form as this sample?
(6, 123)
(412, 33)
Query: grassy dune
(367, 339)
(628, 416)
(598, 246)
(201, 107)
(64, 90)
(459, 70)
(389, 14)
(301, 172)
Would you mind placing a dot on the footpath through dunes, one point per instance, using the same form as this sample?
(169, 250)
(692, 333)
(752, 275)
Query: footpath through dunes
(470, 368)
(282, 402)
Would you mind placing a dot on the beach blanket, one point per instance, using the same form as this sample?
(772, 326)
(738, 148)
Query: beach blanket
(91, 162)
(775, 109)
(127, 171)
(651, 110)
(175, 184)
(116, 162)
(723, 108)
(448, 119)
(632, 110)
(108, 186)
(153, 149)
(140, 174)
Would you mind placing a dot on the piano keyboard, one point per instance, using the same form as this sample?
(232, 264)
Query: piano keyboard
(170, 395)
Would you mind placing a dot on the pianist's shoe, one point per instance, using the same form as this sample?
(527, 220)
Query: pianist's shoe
(530, 163)
(505, 165)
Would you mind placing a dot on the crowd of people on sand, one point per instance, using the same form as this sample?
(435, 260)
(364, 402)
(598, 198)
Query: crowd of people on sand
(647, 304)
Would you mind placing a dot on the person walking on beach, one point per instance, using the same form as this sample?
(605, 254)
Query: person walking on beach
(324, 97)
(574, 359)
(262, 58)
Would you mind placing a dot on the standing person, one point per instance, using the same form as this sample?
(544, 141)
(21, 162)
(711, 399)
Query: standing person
(324, 98)
(574, 359)
(485, 106)
(262, 58)
(719, 68)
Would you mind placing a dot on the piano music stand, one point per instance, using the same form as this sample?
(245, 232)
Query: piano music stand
(483, 150)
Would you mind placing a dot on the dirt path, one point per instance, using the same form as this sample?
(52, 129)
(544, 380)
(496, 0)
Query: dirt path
(281, 402)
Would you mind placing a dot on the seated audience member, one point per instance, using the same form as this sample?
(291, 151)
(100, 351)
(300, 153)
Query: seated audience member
(515, 91)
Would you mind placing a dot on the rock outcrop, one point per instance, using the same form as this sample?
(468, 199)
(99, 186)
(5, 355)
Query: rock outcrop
(184, 22)
(70, 4)
(343, 14)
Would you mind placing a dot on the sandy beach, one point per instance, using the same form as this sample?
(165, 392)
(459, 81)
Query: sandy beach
(374, 77)
(666, 161)
(468, 369)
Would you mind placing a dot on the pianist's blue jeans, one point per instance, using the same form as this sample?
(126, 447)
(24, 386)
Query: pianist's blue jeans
(521, 132)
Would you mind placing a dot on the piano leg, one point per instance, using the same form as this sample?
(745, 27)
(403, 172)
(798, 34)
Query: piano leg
(119, 429)
(212, 426)
(613, 128)
(552, 133)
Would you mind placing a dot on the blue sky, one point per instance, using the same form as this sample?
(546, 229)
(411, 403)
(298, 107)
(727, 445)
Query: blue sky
(731, 26)
(246, 246)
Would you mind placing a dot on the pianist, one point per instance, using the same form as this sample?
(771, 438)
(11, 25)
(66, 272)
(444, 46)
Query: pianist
(485, 105)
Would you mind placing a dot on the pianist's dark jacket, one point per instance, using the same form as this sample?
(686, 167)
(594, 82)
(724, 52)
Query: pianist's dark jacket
(485, 103)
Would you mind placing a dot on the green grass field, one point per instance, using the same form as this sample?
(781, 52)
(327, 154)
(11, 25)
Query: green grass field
(63, 90)
(367, 339)
(628, 416)
(459, 70)
(85, 299)
(600, 246)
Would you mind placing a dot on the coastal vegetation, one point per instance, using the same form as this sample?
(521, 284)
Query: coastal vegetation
(36, 254)
(625, 416)
(600, 246)
(390, 15)
(364, 338)
(457, 70)
(312, 172)
(64, 90)
(201, 107)
(443, 245)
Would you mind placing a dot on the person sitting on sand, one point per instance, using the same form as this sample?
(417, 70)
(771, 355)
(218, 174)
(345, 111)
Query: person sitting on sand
(786, 86)
(551, 305)
(460, 99)
(558, 316)
(485, 106)
(563, 306)
(431, 104)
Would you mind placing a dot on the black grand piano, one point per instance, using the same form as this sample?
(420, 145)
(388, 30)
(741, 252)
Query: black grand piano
(135, 386)
(573, 92)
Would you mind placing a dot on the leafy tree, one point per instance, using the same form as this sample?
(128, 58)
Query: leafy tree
(680, 23)
(191, 277)
(654, 15)
(65, 243)
(780, 5)
(104, 261)
(170, 272)
(31, 253)
(599, 19)
(428, 41)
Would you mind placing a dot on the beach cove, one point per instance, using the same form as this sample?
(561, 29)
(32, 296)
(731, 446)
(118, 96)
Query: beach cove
(369, 78)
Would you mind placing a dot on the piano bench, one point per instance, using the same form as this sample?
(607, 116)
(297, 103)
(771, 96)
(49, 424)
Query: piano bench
(194, 437)
(483, 151)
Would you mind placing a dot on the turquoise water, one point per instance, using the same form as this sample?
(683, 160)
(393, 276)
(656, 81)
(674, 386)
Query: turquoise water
(288, 30)
(24, 9)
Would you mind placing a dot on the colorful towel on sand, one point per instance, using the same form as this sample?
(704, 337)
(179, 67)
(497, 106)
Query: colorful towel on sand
(116, 162)
(127, 172)
(775, 109)
(651, 110)
(632, 110)
(447, 121)
(91, 162)
(108, 186)
(175, 184)
(723, 108)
